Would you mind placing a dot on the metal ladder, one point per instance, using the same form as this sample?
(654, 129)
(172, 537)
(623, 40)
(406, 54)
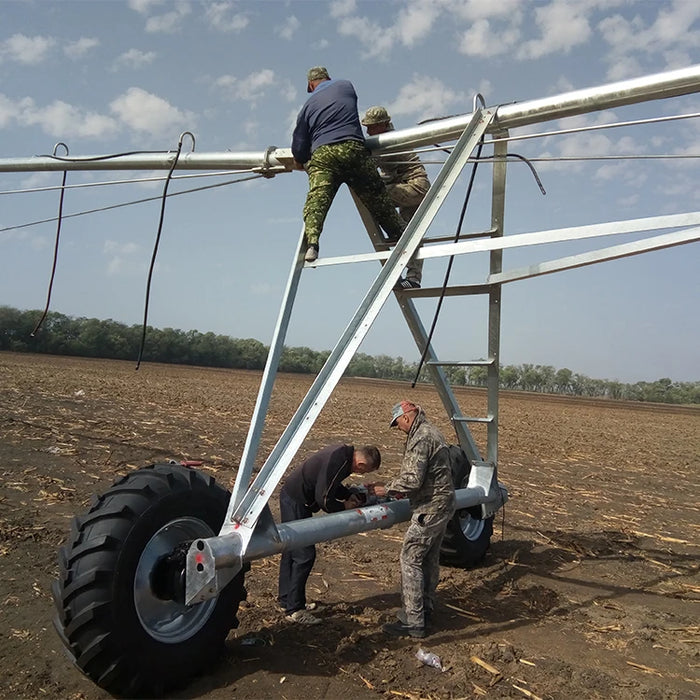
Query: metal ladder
(459, 421)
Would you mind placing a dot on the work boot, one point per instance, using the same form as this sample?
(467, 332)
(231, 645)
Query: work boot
(303, 617)
(401, 617)
(398, 629)
(403, 284)
(311, 252)
(309, 606)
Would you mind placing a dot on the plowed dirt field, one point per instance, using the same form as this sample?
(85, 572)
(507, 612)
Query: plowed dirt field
(590, 589)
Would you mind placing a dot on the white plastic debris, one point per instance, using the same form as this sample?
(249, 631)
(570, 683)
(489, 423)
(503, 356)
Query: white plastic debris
(429, 659)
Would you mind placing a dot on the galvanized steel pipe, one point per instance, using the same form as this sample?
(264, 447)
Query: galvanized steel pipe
(651, 87)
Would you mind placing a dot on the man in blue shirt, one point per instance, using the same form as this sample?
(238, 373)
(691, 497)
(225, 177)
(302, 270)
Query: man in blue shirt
(328, 143)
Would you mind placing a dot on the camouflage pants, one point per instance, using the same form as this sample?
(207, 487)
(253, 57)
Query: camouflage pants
(420, 564)
(407, 196)
(347, 162)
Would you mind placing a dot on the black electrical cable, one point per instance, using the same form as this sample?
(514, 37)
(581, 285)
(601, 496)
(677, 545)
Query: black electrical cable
(91, 159)
(55, 256)
(155, 247)
(449, 264)
(477, 159)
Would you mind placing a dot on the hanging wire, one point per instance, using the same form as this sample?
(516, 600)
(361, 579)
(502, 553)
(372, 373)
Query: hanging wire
(126, 181)
(135, 201)
(449, 264)
(476, 162)
(597, 127)
(157, 242)
(55, 247)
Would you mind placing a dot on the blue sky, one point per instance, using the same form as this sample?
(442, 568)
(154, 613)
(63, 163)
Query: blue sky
(112, 76)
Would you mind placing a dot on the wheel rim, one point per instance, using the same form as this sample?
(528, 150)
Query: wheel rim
(167, 620)
(471, 527)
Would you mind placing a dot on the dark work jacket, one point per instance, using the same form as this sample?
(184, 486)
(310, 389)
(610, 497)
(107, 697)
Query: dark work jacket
(328, 116)
(318, 482)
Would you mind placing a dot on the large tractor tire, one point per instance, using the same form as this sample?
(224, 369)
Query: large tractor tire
(120, 628)
(468, 536)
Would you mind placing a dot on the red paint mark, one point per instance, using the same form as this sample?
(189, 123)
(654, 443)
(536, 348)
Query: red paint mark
(199, 557)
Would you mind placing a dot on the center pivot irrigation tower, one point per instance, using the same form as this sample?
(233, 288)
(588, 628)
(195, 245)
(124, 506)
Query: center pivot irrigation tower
(151, 578)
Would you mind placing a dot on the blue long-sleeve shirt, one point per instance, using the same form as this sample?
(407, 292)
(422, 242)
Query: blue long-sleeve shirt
(328, 116)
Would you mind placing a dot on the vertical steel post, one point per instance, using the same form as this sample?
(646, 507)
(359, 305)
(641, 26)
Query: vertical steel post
(498, 204)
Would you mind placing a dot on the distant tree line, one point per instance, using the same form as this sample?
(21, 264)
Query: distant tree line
(91, 337)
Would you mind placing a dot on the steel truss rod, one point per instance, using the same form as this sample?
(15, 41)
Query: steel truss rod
(651, 87)
(517, 240)
(666, 240)
(257, 421)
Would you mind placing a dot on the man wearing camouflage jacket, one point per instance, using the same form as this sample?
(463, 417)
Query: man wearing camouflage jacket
(406, 183)
(426, 479)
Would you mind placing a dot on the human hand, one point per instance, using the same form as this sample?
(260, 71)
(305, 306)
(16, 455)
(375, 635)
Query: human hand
(354, 501)
(298, 165)
(377, 490)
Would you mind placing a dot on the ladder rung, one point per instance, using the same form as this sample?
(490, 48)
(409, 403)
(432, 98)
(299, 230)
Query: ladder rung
(461, 363)
(460, 290)
(468, 419)
(464, 237)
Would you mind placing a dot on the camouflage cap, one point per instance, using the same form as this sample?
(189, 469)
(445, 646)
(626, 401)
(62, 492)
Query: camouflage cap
(401, 408)
(317, 73)
(376, 115)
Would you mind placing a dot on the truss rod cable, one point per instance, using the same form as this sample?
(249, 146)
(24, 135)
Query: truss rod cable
(55, 257)
(127, 181)
(462, 214)
(596, 127)
(527, 161)
(128, 204)
(157, 242)
(109, 156)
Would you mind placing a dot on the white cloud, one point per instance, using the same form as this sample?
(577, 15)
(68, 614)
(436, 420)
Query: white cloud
(660, 44)
(342, 8)
(223, 17)
(415, 21)
(250, 88)
(289, 28)
(62, 120)
(473, 10)
(424, 98)
(8, 111)
(563, 24)
(483, 40)
(144, 6)
(288, 91)
(134, 58)
(76, 49)
(141, 111)
(375, 39)
(29, 50)
(169, 22)
(124, 257)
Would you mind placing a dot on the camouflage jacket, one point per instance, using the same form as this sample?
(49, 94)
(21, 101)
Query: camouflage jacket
(425, 477)
(402, 167)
